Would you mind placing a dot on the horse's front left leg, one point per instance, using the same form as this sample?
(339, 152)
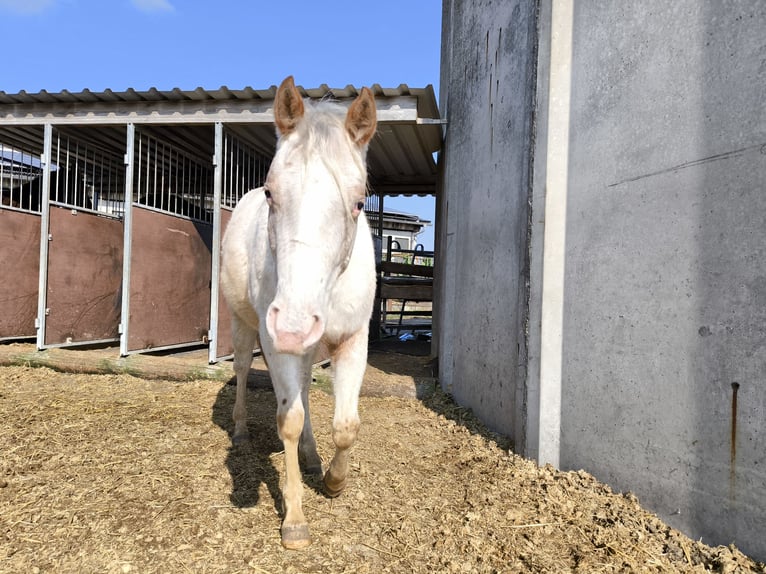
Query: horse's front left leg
(349, 361)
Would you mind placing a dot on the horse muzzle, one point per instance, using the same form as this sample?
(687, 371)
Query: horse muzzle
(293, 332)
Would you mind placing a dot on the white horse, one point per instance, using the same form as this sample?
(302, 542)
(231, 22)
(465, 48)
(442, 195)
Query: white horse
(299, 268)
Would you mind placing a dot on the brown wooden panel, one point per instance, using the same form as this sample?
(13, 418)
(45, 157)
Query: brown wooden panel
(408, 292)
(84, 289)
(406, 269)
(224, 344)
(19, 272)
(169, 280)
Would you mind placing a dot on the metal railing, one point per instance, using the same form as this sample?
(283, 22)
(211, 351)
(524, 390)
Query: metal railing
(168, 179)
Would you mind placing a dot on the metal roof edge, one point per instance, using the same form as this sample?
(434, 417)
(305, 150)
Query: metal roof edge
(427, 105)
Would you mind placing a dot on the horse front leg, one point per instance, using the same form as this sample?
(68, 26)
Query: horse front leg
(290, 416)
(307, 446)
(349, 361)
(288, 374)
(244, 343)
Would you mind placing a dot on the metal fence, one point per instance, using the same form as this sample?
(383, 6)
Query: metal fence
(243, 169)
(86, 176)
(170, 180)
(20, 178)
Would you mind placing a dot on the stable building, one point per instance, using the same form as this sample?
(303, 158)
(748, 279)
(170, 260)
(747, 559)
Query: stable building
(113, 204)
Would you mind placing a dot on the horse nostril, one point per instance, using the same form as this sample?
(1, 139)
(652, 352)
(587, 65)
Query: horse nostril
(316, 331)
(271, 320)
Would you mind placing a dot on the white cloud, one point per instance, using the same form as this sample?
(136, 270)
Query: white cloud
(26, 6)
(151, 5)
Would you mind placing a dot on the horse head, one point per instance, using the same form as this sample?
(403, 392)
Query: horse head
(315, 188)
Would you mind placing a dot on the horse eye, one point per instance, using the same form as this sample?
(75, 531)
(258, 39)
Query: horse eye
(267, 193)
(360, 205)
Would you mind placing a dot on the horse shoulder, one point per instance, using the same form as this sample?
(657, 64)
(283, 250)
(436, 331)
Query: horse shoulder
(242, 256)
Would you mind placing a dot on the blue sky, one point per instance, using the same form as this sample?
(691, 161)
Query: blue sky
(118, 44)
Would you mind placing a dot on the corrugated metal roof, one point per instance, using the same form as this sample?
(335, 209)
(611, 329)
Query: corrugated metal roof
(400, 158)
(221, 94)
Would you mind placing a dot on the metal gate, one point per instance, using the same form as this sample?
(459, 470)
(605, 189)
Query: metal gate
(20, 172)
(169, 233)
(83, 214)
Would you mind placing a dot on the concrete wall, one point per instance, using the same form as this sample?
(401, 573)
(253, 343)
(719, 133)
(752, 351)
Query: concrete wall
(487, 90)
(665, 284)
(662, 238)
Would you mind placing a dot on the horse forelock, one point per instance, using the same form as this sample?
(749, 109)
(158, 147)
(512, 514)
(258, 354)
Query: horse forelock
(321, 134)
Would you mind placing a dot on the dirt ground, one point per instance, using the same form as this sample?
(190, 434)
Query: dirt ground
(112, 473)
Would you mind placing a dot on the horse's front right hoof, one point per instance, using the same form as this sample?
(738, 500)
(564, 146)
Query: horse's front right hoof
(295, 536)
(332, 486)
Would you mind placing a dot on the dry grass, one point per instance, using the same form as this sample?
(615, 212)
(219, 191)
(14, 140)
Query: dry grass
(110, 473)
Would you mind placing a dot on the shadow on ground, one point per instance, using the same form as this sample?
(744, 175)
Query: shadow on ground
(250, 462)
(396, 368)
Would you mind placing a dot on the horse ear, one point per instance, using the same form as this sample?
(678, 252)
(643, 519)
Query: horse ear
(362, 118)
(288, 106)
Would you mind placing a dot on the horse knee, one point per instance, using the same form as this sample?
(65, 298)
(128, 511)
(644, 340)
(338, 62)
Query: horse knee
(242, 364)
(290, 423)
(344, 433)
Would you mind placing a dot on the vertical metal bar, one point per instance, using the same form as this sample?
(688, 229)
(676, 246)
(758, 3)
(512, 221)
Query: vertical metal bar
(77, 175)
(143, 196)
(68, 167)
(195, 182)
(163, 200)
(247, 176)
(94, 165)
(57, 163)
(380, 217)
(127, 239)
(178, 184)
(217, 232)
(184, 189)
(238, 167)
(101, 178)
(154, 185)
(2, 171)
(42, 287)
(143, 187)
(176, 207)
(227, 181)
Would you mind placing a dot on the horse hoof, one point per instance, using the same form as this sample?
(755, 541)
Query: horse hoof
(295, 536)
(332, 487)
(238, 439)
(314, 470)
